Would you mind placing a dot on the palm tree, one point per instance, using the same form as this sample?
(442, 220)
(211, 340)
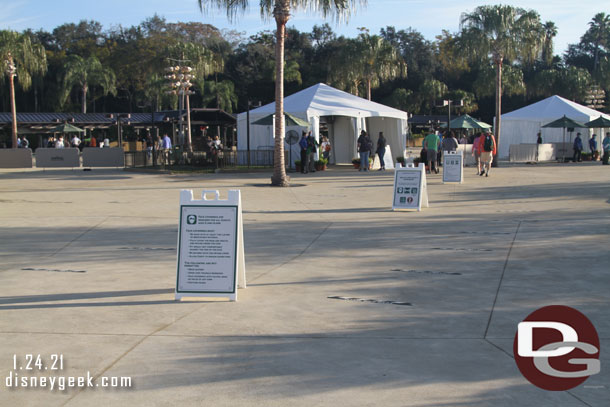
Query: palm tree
(366, 60)
(504, 33)
(21, 58)
(223, 93)
(379, 61)
(430, 91)
(599, 34)
(280, 10)
(86, 72)
(345, 70)
(550, 31)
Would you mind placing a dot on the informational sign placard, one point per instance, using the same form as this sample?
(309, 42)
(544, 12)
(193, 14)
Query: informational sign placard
(453, 168)
(410, 188)
(210, 246)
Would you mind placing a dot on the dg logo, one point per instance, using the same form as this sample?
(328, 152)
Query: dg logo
(557, 348)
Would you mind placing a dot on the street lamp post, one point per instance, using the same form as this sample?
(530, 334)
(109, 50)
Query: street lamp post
(180, 80)
(448, 103)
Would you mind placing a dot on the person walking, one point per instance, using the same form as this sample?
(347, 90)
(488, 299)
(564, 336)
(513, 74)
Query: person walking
(303, 144)
(325, 148)
(431, 144)
(449, 142)
(166, 146)
(577, 147)
(476, 151)
(364, 148)
(381, 144)
(312, 149)
(593, 147)
(605, 145)
(488, 145)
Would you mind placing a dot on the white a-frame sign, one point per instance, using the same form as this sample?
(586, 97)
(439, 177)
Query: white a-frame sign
(453, 168)
(211, 259)
(410, 188)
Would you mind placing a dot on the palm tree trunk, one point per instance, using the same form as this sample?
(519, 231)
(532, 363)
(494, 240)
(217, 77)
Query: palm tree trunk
(85, 98)
(498, 107)
(282, 14)
(368, 84)
(11, 79)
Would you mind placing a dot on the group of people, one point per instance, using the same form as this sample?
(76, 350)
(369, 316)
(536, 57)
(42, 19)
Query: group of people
(578, 148)
(483, 149)
(76, 142)
(365, 148)
(309, 147)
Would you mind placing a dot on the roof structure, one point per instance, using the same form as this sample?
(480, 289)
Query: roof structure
(46, 121)
(324, 100)
(553, 108)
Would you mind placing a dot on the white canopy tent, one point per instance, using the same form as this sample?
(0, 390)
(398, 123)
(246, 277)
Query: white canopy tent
(522, 125)
(344, 114)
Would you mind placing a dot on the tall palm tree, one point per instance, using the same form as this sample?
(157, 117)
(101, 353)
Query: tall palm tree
(379, 60)
(280, 10)
(550, 32)
(502, 33)
(599, 33)
(20, 58)
(86, 72)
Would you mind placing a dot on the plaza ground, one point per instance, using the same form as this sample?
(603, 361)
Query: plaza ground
(88, 266)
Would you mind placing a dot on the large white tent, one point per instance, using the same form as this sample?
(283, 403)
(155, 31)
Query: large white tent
(344, 114)
(522, 125)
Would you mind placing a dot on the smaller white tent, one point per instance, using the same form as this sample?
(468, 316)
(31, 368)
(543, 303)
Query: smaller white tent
(344, 114)
(522, 125)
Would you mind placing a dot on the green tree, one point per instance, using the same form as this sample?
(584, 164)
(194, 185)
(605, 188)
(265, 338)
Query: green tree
(550, 32)
(280, 10)
(598, 35)
(403, 99)
(22, 58)
(378, 61)
(500, 33)
(223, 93)
(86, 72)
(430, 92)
(512, 81)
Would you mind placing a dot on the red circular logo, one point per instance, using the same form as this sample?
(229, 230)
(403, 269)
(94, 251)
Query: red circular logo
(556, 348)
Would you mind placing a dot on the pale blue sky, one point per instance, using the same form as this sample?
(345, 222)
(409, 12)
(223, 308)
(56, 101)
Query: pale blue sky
(428, 17)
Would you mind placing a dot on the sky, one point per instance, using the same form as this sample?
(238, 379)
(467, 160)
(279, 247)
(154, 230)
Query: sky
(430, 18)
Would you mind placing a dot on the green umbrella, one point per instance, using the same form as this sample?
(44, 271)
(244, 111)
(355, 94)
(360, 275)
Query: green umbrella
(565, 123)
(289, 119)
(65, 128)
(467, 122)
(599, 123)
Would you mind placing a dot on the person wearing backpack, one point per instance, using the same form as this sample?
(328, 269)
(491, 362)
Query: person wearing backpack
(488, 151)
(364, 148)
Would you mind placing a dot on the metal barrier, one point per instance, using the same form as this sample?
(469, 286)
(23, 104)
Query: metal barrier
(199, 159)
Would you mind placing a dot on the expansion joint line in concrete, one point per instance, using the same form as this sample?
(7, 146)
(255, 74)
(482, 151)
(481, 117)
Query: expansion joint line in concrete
(78, 237)
(501, 279)
(578, 398)
(135, 345)
(302, 252)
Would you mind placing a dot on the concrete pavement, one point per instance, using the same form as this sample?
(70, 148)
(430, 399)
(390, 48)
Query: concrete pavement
(88, 263)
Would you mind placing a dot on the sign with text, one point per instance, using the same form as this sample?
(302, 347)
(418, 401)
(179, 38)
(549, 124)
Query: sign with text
(410, 188)
(453, 168)
(210, 246)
